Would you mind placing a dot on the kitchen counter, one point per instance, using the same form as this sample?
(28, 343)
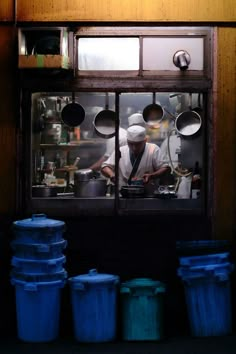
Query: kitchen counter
(70, 206)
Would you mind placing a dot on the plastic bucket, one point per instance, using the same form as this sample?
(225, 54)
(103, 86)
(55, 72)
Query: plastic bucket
(93, 299)
(208, 299)
(142, 309)
(38, 229)
(38, 251)
(39, 277)
(218, 258)
(38, 310)
(38, 266)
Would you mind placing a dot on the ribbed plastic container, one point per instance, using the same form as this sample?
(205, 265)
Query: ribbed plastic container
(94, 304)
(38, 310)
(38, 229)
(39, 277)
(198, 247)
(38, 251)
(38, 266)
(218, 258)
(208, 299)
(142, 309)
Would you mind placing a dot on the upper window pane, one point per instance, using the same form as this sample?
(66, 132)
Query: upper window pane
(158, 52)
(108, 54)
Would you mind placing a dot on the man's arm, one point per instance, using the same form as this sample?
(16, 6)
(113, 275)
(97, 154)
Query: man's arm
(155, 174)
(96, 166)
(108, 172)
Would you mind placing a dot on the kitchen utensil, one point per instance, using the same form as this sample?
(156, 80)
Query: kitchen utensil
(132, 191)
(73, 113)
(105, 122)
(94, 187)
(43, 191)
(83, 175)
(153, 113)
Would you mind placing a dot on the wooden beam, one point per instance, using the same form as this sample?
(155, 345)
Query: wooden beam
(127, 10)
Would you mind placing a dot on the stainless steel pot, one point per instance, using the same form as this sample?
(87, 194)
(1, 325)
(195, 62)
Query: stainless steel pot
(188, 123)
(95, 187)
(42, 191)
(83, 175)
(105, 124)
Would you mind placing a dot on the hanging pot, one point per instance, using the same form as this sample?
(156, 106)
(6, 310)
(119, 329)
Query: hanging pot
(73, 113)
(105, 124)
(188, 123)
(153, 113)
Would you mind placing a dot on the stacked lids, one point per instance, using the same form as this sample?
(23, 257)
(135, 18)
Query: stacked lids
(38, 249)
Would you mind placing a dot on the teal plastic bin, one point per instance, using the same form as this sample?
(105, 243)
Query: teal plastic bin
(142, 309)
(37, 310)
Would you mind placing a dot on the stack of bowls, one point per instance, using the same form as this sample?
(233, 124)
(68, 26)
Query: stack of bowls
(38, 275)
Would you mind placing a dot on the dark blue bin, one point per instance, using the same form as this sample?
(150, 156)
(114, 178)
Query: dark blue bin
(217, 258)
(94, 306)
(38, 229)
(38, 310)
(208, 299)
(38, 266)
(38, 251)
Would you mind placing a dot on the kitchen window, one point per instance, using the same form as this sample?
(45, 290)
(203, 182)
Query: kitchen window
(58, 151)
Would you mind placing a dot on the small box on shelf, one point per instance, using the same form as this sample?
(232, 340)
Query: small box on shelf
(43, 48)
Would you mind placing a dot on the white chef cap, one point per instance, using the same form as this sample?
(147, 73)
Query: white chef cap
(136, 119)
(136, 133)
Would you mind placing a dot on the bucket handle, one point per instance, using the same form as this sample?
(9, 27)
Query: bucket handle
(39, 216)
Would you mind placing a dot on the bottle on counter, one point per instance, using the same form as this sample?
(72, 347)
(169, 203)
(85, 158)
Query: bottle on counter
(196, 182)
(58, 160)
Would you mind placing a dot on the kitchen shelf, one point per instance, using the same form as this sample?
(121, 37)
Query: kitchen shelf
(72, 145)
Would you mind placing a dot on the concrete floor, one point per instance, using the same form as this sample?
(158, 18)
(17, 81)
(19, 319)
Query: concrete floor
(175, 345)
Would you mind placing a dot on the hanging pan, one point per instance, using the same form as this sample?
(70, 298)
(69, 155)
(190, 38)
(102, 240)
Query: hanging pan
(189, 122)
(105, 122)
(153, 113)
(73, 113)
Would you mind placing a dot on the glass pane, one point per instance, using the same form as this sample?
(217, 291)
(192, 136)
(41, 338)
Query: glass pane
(180, 151)
(158, 52)
(59, 149)
(108, 53)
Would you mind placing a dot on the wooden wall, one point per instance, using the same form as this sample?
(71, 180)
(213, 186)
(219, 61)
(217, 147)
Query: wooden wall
(7, 10)
(127, 10)
(225, 128)
(8, 101)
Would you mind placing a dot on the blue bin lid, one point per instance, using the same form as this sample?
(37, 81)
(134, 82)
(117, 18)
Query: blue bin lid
(93, 277)
(142, 282)
(38, 221)
(205, 271)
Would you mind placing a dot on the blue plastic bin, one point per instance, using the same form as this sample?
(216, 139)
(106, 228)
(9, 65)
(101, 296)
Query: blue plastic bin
(38, 251)
(23, 265)
(39, 277)
(208, 299)
(217, 258)
(38, 229)
(142, 309)
(38, 310)
(94, 306)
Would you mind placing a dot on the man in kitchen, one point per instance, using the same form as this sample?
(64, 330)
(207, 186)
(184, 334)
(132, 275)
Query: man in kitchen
(140, 161)
(134, 119)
